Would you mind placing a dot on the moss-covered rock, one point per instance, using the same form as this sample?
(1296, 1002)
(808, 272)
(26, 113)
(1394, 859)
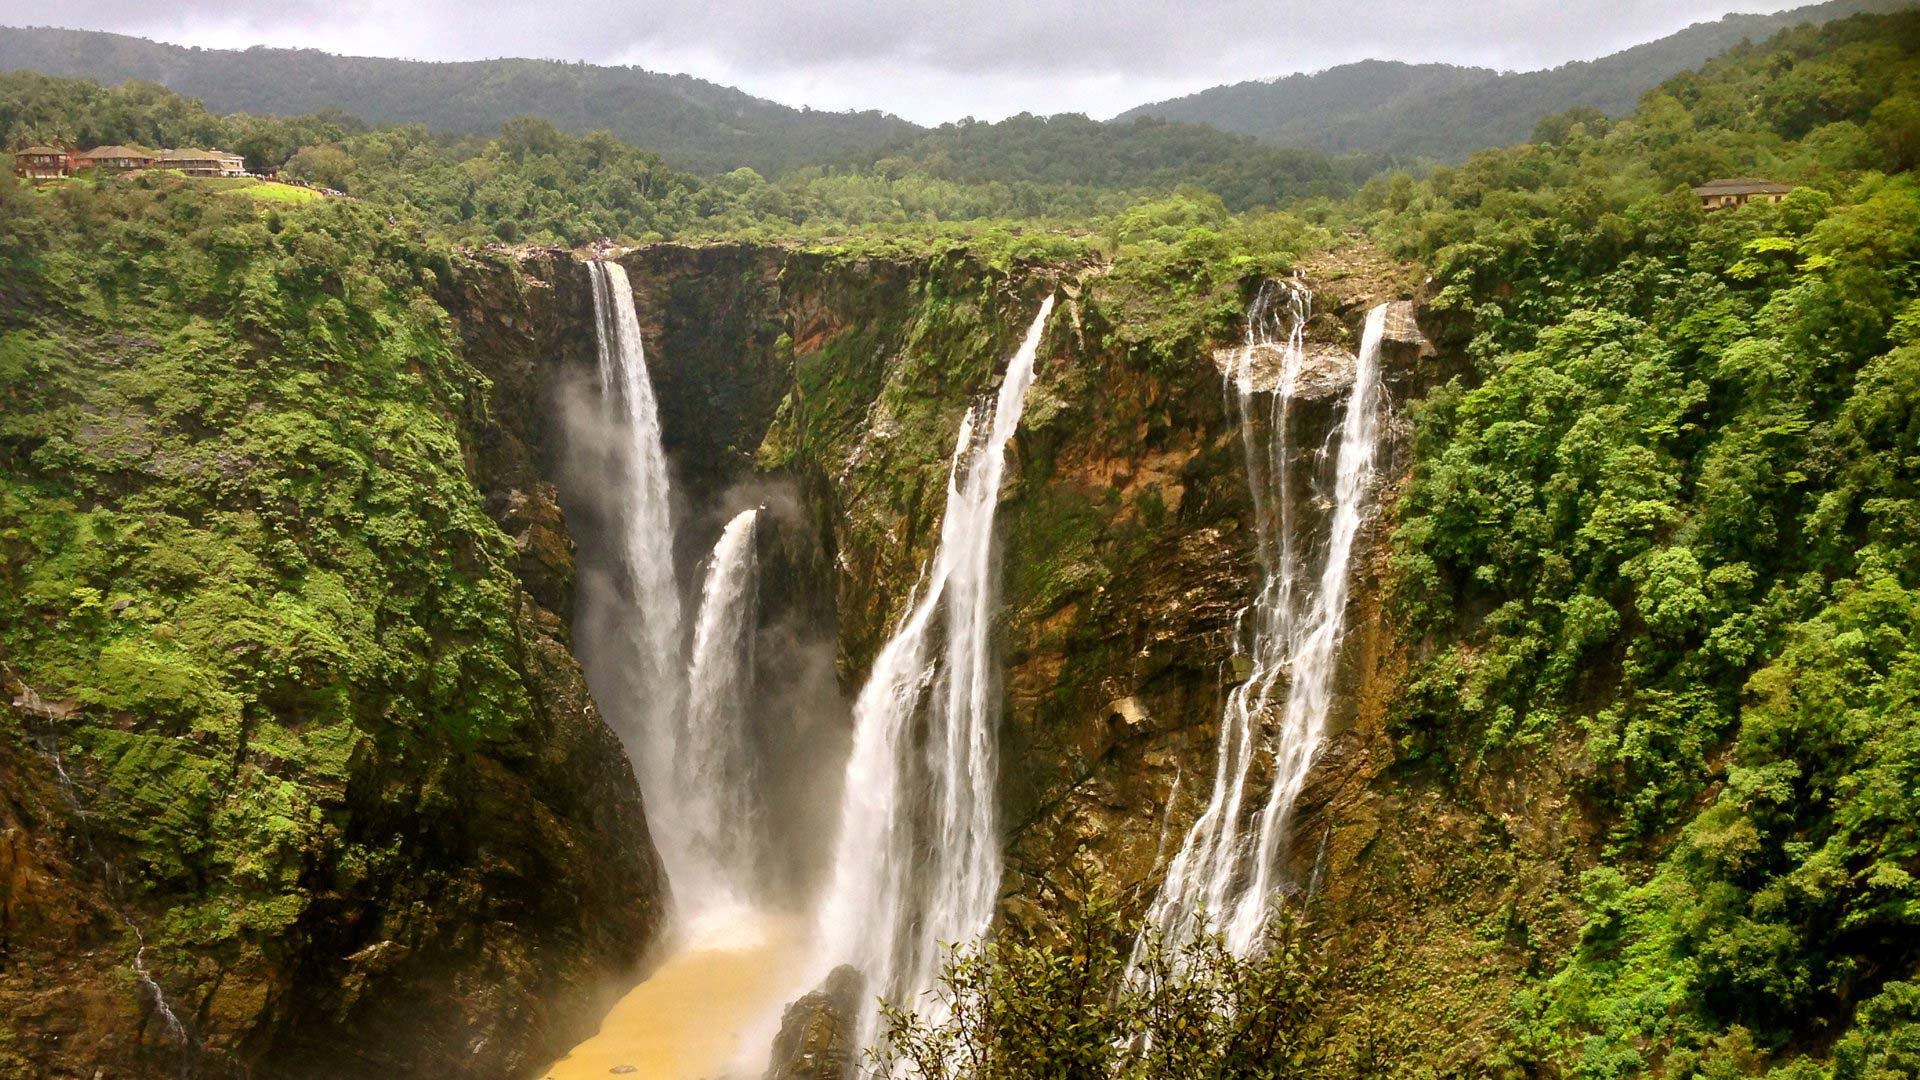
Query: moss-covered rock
(323, 777)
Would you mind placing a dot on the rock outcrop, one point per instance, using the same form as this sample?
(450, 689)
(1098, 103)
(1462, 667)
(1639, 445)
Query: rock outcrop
(816, 1041)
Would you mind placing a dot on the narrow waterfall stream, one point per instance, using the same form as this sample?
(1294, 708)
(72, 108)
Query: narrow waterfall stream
(712, 760)
(683, 713)
(917, 859)
(1225, 873)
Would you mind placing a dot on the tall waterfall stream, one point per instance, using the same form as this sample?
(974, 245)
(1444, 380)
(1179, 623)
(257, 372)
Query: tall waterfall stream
(917, 860)
(681, 707)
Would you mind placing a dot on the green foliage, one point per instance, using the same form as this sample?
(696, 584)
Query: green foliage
(535, 183)
(1065, 1007)
(1445, 112)
(237, 532)
(1671, 521)
(1043, 153)
(696, 124)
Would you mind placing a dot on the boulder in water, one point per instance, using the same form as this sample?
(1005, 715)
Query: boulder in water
(816, 1033)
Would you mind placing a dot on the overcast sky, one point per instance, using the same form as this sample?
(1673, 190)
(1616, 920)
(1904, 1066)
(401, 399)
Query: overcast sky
(927, 61)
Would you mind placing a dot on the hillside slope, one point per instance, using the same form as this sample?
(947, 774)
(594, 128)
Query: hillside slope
(695, 124)
(1447, 112)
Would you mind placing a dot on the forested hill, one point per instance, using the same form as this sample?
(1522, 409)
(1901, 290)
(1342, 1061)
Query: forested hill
(693, 123)
(1447, 112)
(1378, 108)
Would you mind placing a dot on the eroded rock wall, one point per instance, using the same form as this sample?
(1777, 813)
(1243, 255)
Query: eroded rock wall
(343, 880)
(1126, 555)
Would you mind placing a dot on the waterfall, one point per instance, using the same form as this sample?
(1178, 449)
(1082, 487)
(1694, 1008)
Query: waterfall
(1288, 640)
(917, 861)
(684, 719)
(640, 500)
(712, 765)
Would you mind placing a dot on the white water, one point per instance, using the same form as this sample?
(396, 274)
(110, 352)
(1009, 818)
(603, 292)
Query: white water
(1225, 873)
(713, 766)
(682, 708)
(686, 730)
(916, 860)
(641, 501)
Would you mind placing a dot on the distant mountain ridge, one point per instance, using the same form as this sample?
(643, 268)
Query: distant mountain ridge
(1379, 108)
(694, 124)
(1445, 111)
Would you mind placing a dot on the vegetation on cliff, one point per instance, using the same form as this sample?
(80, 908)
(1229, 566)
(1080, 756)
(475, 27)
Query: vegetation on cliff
(1659, 538)
(1669, 528)
(277, 637)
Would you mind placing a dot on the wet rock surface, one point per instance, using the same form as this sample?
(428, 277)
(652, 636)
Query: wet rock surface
(816, 1041)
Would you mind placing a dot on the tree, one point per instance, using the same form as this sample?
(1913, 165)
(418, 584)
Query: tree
(325, 166)
(1075, 1006)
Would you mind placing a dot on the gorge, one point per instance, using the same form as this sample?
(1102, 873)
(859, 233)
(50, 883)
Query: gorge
(763, 439)
(915, 862)
(1485, 605)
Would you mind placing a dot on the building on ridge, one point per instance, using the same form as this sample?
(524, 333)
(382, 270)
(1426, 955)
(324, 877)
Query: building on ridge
(1721, 194)
(113, 158)
(201, 162)
(41, 163)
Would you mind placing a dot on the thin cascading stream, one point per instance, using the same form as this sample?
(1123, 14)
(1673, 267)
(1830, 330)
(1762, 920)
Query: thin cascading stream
(1315, 659)
(713, 763)
(916, 861)
(1224, 876)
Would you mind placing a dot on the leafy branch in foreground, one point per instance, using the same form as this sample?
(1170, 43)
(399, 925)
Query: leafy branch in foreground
(1071, 1007)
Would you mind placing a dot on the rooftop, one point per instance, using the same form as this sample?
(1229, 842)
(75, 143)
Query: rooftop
(1743, 185)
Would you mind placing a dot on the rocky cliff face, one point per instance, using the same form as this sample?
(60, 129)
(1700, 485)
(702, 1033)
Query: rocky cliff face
(1126, 554)
(1126, 533)
(307, 857)
(827, 386)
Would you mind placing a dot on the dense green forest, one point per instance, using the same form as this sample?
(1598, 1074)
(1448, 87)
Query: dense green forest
(1669, 530)
(1663, 533)
(534, 182)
